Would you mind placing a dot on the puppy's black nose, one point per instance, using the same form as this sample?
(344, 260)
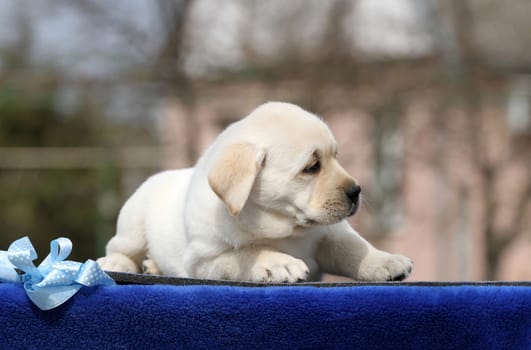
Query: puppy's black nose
(353, 193)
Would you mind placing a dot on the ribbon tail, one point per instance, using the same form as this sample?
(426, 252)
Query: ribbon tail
(91, 274)
(50, 297)
(7, 269)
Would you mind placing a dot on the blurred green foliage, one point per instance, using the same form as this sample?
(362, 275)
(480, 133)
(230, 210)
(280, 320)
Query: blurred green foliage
(47, 203)
(25, 117)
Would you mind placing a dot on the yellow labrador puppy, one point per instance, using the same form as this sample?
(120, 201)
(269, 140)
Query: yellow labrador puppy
(267, 202)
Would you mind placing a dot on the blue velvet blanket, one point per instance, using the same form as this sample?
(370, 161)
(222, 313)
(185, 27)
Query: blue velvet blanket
(209, 316)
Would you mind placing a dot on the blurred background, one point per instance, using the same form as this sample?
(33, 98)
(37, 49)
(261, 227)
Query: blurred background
(430, 102)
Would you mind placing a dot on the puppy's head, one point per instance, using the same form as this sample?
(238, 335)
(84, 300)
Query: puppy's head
(282, 159)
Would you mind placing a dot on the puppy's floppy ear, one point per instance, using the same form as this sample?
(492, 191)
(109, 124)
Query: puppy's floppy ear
(234, 172)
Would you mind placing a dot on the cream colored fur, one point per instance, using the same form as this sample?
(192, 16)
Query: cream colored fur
(266, 202)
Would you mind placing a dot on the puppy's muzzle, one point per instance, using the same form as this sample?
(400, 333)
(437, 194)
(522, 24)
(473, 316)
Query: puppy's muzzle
(353, 194)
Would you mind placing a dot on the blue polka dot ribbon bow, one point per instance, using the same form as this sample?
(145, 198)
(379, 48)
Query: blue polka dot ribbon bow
(55, 280)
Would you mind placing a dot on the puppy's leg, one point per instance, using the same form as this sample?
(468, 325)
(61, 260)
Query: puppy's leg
(126, 250)
(342, 251)
(256, 264)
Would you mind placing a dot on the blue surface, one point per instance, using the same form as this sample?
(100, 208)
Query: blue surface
(212, 317)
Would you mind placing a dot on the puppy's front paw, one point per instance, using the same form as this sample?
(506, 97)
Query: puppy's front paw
(150, 268)
(119, 263)
(275, 267)
(382, 266)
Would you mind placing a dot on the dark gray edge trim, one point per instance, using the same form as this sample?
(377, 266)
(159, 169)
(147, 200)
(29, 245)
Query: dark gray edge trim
(131, 278)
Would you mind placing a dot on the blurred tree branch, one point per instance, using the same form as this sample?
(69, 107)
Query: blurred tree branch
(168, 65)
(335, 44)
(468, 70)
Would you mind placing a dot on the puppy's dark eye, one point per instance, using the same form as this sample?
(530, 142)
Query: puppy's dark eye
(312, 168)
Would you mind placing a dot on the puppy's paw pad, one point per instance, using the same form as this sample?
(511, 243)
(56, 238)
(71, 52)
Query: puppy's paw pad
(399, 267)
(280, 270)
(118, 263)
(150, 268)
(386, 267)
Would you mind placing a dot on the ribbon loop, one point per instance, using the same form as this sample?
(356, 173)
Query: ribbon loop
(21, 254)
(60, 249)
(56, 279)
